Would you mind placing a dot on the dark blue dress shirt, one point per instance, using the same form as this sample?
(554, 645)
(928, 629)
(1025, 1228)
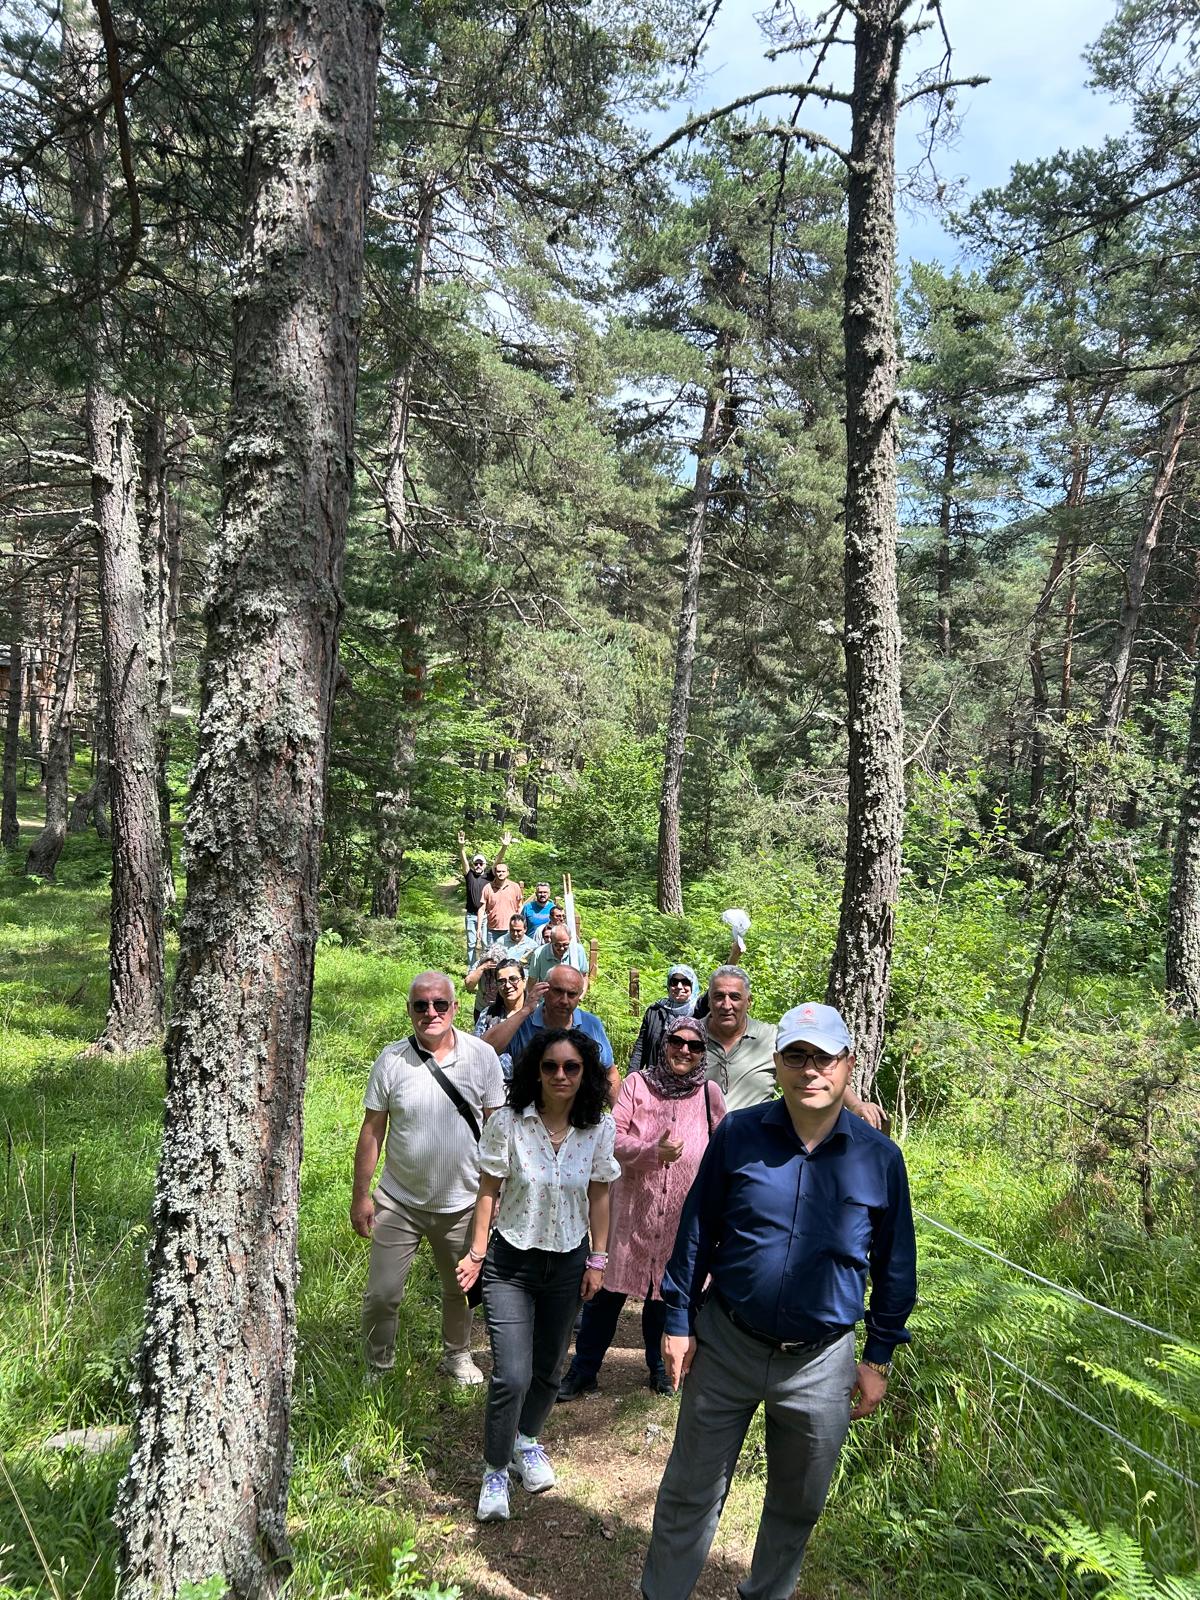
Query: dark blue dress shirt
(789, 1235)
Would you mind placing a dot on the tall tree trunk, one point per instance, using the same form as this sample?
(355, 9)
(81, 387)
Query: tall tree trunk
(42, 860)
(400, 399)
(160, 580)
(206, 1490)
(670, 873)
(1121, 655)
(945, 511)
(136, 944)
(392, 823)
(1183, 913)
(38, 690)
(860, 977)
(10, 828)
(135, 952)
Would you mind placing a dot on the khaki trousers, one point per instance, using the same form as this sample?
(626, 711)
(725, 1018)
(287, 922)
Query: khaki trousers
(398, 1231)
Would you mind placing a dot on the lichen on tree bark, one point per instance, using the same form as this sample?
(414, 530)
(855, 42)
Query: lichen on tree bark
(206, 1490)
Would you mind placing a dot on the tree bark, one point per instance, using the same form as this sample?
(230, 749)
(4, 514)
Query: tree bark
(136, 943)
(670, 873)
(42, 860)
(135, 956)
(206, 1490)
(10, 828)
(160, 550)
(400, 399)
(945, 511)
(1183, 908)
(860, 977)
(1121, 657)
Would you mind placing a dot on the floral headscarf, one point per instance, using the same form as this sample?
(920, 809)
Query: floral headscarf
(678, 1085)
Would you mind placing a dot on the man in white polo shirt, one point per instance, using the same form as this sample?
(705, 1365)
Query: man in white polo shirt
(431, 1170)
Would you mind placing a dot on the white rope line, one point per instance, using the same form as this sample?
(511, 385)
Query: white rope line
(1095, 1421)
(1071, 1294)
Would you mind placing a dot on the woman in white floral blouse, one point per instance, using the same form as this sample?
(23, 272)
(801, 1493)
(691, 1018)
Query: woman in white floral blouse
(548, 1157)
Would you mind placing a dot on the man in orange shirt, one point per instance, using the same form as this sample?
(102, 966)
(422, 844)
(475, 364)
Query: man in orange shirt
(502, 899)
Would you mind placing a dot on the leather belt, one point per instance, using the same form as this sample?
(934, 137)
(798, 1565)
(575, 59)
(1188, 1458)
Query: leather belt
(785, 1347)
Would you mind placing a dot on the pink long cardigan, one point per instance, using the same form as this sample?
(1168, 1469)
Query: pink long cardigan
(647, 1198)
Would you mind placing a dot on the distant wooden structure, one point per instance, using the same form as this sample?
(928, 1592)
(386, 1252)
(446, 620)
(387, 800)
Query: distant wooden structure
(635, 992)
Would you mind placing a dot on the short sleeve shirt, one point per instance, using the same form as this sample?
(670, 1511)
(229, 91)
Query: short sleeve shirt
(536, 916)
(540, 964)
(476, 883)
(500, 902)
(587, 1021)
(544, 1203)
(432, 1160)
(746, 1073)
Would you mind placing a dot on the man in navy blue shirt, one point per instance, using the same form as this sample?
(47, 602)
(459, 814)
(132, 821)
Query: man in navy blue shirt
(795, 1202)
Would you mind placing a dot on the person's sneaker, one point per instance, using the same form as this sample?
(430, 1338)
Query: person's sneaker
(532, 1465)
(493, 1497)
(460, 1368)
(575, 1384)
(374, 1376)
(659, 1382)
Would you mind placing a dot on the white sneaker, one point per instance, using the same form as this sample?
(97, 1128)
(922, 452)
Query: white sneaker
(493, 1497)
(532, 1465)
(460, 1368)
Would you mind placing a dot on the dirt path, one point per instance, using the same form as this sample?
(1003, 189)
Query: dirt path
(586, 1538)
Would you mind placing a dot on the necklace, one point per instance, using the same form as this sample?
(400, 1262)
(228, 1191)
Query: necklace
(555, 1139)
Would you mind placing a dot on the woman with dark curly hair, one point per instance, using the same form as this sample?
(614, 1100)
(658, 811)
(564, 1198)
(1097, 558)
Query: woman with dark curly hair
(551, 1148)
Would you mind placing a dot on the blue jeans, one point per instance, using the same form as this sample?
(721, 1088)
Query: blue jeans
(599, 1325)
(471, 927)
(531, 1297)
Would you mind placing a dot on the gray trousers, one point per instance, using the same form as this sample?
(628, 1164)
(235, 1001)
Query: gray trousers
(807, 1401)
(398, 1231)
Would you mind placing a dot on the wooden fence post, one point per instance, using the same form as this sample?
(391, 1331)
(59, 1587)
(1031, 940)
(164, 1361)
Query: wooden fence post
(635, 992)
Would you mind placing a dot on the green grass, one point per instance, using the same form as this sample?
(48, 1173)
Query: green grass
(934, 1495)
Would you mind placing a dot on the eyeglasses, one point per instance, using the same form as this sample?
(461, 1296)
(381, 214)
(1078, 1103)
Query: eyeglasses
(800, 1058)
(675, 983)
(508, 983)
(551, 1069)
(693, 1047)
(422, 1006)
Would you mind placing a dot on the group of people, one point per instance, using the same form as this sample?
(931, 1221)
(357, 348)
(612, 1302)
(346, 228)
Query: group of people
(745, 1221)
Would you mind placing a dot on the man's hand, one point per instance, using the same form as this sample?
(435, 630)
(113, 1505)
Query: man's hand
(362, 1216)
(669, 1149)
(535, 995)
(870, 1112)
(869, 1389)
(506, 838)
(462, 838)
(678, 1354)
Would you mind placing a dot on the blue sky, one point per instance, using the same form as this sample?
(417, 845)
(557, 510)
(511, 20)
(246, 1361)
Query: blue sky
(1035, 104)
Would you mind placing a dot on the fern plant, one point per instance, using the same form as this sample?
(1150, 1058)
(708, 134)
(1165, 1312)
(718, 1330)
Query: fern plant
(1112, 1556)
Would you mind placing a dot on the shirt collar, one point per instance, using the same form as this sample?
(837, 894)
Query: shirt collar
(539, 1016)
(777, 1115)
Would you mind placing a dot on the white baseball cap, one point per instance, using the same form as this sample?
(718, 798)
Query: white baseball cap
(810, 1023)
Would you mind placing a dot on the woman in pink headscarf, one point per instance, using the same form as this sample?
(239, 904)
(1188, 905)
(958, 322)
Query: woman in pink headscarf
(665, 1115)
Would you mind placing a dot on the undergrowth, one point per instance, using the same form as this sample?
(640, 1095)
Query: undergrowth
(973, 1481)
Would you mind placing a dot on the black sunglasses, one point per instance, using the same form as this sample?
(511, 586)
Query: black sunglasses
(440, 1006)
(694, 1047)
(551, 1069)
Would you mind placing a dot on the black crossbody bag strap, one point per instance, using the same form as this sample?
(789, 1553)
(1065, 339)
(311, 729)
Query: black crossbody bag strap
(708, 1109)
(451, 1093)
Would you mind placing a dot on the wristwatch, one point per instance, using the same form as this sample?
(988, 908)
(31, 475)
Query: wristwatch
(883, 1368)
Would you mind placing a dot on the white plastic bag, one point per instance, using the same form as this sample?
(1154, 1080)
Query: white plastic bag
(738, 923)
